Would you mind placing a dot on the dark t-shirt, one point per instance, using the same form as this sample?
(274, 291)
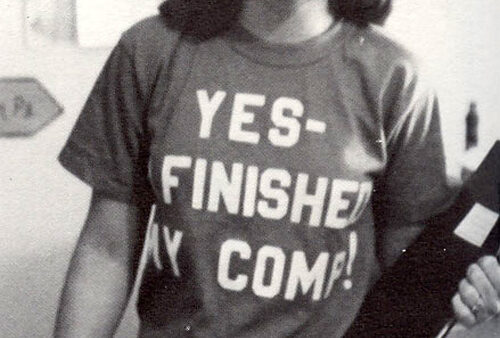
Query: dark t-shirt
(261, 168)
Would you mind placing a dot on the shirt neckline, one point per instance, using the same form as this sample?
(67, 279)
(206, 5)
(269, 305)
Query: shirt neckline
(274, 54)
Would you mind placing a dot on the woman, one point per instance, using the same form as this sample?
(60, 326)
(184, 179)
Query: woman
(259, 131)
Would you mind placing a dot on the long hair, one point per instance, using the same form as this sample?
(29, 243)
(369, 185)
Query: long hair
(206, 18)
(362, 12)
(201, 19)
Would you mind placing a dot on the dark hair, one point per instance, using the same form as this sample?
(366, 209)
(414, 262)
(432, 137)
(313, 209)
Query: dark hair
(201, 19)
(362, 12)
(206, 18)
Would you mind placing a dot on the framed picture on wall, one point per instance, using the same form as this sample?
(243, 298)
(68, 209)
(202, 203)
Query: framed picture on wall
(87, 23)
(49, 21)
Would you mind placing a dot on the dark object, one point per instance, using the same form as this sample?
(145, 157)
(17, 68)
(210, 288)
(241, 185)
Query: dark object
(201, 19)
(413, 298)
(204, 19)
(471, 125)
(362, 12)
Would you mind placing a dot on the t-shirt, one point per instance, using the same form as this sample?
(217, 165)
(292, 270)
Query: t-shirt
(262, 164)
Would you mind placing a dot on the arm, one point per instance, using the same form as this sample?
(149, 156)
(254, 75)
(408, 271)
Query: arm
(108, 149)
(413, 185)
(395, 238)
(102, 271)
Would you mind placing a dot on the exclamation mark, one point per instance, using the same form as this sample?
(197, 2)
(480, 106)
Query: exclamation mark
(353, 249)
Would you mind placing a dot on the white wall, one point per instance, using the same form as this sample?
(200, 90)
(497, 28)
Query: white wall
(42, 207)
(458, 42)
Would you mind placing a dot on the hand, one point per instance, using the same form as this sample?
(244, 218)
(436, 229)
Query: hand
(478, 295)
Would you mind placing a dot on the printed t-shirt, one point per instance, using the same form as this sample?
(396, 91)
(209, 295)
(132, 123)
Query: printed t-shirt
(261, 168)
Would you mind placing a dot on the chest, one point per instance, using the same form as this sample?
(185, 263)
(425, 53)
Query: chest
(239, 124)
(315, 112)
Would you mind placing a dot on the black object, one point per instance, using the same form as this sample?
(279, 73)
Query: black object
(413, 299)
(471, 126)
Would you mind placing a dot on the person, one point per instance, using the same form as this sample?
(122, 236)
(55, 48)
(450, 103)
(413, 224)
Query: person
(266, 137)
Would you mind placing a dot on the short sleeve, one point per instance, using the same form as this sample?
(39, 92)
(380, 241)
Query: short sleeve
(108, 147)
(414, 184)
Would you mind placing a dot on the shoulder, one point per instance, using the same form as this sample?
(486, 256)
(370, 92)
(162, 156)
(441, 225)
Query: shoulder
(379, 54)
(150, 35)
(148, 46)
(386, 47)
(388, 68)
(392, 76)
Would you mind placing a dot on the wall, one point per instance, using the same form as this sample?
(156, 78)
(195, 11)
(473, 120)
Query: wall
(458, 44)
(42, 207)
